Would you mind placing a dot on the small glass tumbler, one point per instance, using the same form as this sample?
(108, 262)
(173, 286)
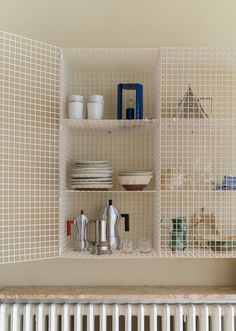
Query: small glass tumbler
(145, 246)
(127, 246)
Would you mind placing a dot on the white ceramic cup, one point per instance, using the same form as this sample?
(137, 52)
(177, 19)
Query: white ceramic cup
(95, 110)
(96, 98)
(75, 110)
(76, 97)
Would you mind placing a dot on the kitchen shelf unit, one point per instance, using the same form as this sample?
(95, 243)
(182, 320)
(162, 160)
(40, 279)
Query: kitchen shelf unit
(39, 144)
(125, 144)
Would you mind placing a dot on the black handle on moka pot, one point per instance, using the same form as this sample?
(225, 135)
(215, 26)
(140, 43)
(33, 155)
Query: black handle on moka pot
(126, 217)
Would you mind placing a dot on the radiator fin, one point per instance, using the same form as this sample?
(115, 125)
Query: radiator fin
(116, 317)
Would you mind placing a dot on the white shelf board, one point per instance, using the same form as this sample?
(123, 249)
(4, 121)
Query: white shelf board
(118, 254)
(196, 253)
(164, 253)
(81, 191)
(195, 125)
(197, 191)
(146, 125)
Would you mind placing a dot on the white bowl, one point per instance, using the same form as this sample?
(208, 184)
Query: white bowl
(135, 173)
(134, 180)
(134, 183)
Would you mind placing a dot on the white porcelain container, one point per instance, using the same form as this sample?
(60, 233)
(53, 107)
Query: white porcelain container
(135, 183)
(95, 110)
(75, 107)
(96, 98)
(134, 180)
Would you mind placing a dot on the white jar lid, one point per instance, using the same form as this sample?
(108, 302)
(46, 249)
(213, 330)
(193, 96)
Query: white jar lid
(74, 98)
(96, 98)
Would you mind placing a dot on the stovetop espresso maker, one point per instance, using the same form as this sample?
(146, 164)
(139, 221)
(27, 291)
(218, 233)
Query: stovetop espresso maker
(99, 237)
(112, 215)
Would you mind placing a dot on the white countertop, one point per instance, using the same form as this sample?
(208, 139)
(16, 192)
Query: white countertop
(119, 294)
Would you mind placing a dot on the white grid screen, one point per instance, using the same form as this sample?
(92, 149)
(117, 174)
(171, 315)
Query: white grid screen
(198, 158)
(29, 147)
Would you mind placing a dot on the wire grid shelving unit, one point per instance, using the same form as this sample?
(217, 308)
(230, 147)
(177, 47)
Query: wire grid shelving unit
(187, 138)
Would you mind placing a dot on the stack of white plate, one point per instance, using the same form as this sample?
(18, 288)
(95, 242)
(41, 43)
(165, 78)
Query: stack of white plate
(91, 175)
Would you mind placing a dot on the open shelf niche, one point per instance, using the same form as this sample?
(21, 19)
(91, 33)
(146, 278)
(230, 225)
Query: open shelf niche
(125, 144)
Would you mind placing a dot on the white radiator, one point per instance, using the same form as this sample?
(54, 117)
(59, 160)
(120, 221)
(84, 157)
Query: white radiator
(116, 317)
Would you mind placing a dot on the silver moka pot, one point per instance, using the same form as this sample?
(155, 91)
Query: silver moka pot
(80, 227)
(112, 215)
(98, 236)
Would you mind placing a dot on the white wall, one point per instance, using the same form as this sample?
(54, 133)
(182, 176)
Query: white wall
(123, 23)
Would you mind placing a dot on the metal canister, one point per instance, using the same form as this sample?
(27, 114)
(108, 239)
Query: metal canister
(178, 234)
(80, 225)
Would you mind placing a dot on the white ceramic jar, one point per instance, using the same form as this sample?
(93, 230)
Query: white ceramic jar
(96, 98)
(75, 107)
(95, 107)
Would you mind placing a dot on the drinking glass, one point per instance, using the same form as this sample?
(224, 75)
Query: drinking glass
(127, 246)
(145, 246)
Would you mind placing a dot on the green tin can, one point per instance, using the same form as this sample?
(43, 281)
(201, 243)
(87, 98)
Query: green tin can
(178, 234)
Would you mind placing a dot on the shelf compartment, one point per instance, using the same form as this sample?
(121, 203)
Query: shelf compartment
(140, 208)
(145, 126)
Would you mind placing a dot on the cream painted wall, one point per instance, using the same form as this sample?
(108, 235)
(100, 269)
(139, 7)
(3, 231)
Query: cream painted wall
(123, 23)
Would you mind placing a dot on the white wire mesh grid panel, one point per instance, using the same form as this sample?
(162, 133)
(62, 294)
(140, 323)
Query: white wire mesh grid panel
(207, 75)
(198, 159)
(66, 203)
(66, 153)
(65, 87)
(29, 119)
(157, 156)
(111, 59)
